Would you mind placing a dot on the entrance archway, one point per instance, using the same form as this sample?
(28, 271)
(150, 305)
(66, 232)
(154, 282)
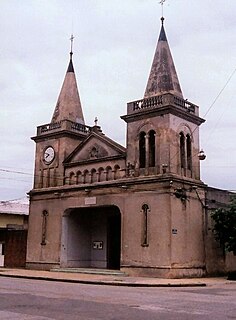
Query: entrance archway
(91, 238)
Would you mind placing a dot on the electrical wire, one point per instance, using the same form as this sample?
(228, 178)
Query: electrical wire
(18, 172)
(211, 106)
(219, 94)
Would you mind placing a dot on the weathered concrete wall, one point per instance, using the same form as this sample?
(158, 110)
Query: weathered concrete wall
(48, 253)
(217, 262)
(171, 249)
(53, 174)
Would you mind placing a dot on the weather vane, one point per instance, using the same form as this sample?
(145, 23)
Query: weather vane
(71, 44)
(162, 5)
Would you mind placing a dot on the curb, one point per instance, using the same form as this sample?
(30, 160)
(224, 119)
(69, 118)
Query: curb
(108, 283)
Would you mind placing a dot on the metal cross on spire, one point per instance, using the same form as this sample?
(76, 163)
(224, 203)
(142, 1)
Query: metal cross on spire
(162, 5)
(71, 44)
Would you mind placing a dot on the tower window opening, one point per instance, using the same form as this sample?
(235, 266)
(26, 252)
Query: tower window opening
(152, 148)
(189, 152)
(142, 150)
(182, 150)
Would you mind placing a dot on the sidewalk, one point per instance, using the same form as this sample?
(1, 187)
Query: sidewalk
(114, 279)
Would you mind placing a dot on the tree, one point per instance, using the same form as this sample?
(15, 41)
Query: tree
(225, 226)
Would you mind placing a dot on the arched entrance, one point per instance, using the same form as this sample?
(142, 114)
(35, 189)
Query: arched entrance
(91, 238)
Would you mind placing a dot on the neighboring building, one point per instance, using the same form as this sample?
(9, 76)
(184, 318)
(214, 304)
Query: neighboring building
(13, 232)
(217, 262)
(142, 208)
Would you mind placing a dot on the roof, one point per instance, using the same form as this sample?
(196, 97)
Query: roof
(68, 105)
(103, 138)
(163, 76)
(17, 207)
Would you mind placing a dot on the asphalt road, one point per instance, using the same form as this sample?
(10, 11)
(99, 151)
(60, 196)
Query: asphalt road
(42, 300)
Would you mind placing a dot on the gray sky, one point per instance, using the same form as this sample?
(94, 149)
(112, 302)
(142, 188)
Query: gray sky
(113, 50)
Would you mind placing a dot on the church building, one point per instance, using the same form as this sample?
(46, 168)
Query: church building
(140, 208)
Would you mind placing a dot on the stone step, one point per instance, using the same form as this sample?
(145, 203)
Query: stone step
(90, 271)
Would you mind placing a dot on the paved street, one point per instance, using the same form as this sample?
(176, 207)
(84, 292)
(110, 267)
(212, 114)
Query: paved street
(26, 299)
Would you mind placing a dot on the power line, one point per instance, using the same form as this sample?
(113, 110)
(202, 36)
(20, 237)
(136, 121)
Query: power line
(13, 179)
(208, 110)
(16, 199)
(219, 94)
(18, 172)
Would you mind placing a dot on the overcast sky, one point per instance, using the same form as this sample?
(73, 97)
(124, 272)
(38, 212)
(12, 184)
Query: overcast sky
(113, 50)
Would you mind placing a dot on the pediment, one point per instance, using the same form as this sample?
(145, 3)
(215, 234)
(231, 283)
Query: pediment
(95, 148)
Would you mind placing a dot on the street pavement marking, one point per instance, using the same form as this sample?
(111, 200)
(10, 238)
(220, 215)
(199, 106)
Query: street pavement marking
(166, 309)
(8, 315)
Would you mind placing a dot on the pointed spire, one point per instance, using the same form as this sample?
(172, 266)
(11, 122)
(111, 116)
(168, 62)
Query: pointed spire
(163, 77)
(68, 105)
(70, 67)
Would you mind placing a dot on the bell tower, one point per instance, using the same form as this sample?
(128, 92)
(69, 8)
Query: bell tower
(164, 160)
(57, 139)
(163, 127)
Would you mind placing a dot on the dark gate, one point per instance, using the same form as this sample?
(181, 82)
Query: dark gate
(15, 248)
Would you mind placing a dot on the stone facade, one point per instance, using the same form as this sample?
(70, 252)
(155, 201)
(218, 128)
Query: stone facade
(141, 209)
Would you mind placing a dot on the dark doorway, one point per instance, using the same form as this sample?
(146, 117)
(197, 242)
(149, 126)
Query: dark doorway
(113, 241)
(91, 238)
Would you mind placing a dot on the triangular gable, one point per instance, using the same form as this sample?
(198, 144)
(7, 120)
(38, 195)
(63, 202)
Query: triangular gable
(95, 147)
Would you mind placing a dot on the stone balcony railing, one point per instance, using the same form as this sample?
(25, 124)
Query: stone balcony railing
(63, 125)
(161, 101)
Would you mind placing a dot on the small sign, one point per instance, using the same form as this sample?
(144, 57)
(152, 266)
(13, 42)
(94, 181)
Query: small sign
(174, 231)
(90, 200)
(97, 245)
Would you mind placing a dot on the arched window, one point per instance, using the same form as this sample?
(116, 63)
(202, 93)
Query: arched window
(44, 227)
(67, 180)
(182, 150)
(142, 150)
(189, 152)
(101, 176)
(116, 172)
(145, 231)
(72, 178)
(152, 148)
(109, 173)
(93, 175)
(86, 176)
(79, 177)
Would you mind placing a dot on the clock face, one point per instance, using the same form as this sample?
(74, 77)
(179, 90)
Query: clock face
(49, 155)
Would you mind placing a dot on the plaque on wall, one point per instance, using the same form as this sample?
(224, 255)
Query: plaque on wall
(90, 200)
(97, 245)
